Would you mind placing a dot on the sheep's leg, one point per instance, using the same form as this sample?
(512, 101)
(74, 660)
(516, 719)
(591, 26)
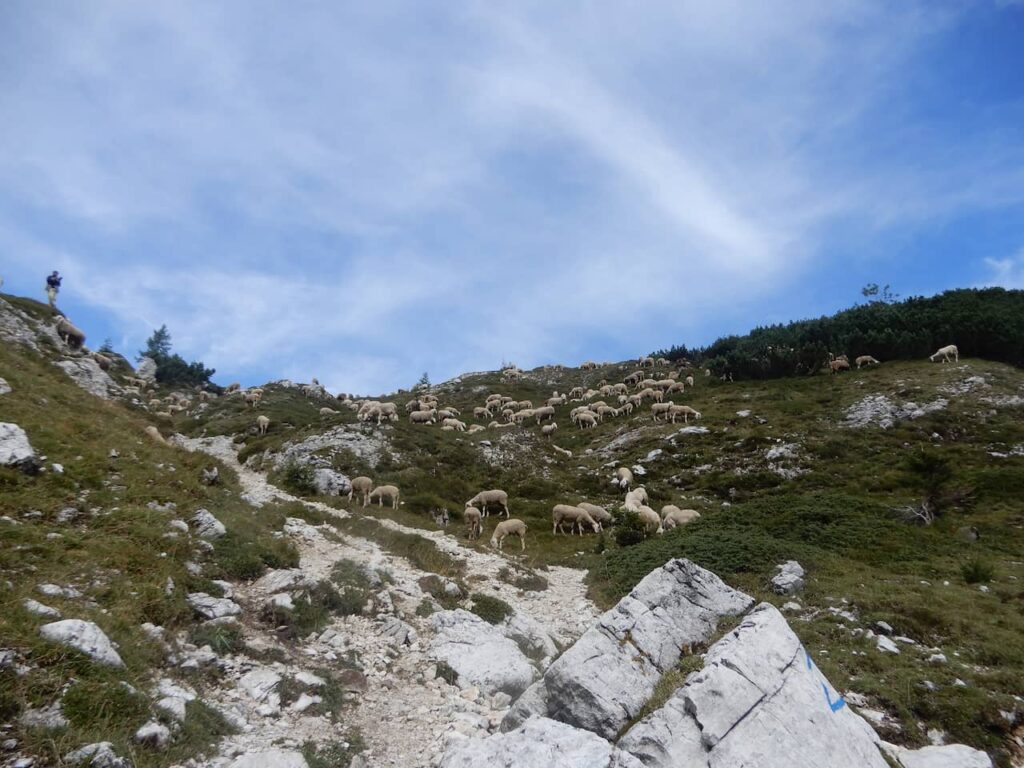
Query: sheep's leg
(522, 540)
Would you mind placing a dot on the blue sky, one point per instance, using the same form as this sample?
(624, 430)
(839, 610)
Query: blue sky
(364, 191)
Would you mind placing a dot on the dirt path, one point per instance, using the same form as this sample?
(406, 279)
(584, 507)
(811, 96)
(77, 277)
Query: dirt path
(406, 714)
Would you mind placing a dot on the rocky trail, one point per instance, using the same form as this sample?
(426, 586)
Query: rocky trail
(406, 713)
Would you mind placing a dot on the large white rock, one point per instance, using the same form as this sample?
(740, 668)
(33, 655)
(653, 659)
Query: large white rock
(758, 701)
(85, 637)
(211, 607)
(87, 374)
(530, 635)
(282, 581)
(207, 526)
(480, 654)
(539, 743)
(329, 482)
(948, 756)
(34, 606)
(272, 758)
(15, 449)
(146, 369)
(604, 680)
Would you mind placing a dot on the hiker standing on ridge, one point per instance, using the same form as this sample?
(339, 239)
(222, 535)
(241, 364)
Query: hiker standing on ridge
(52, 288)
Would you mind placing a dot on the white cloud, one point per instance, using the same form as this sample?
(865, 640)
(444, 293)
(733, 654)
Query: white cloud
(1008, 272)
(376, 190)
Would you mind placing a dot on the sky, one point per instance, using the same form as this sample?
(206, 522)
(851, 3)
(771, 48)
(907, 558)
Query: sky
(361, 192)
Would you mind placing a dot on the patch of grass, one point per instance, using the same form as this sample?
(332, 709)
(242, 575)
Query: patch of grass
(334, 754)
(523, 578)
(446, 673)
(313, 610)
(296, 478)
(222, 638)
(427, 607)
(491, 609)
(247, 559)
(419, 551)
(978, 571)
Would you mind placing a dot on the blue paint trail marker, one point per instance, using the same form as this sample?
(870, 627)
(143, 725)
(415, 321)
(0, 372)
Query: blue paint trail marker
(836, 705)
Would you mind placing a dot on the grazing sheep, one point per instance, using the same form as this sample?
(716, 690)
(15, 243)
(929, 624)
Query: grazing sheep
(155, 402)
(154, 433)
(253, 397)
(576, 517)
(102, 361)
(498, 425)
(422, 417)
(71, 335)
(543, 414)
(361, 485)
(381, 492)
(660, 409)
(507, 528)
(689, 381)
(635, 498)
(623, 478)
(563, 451)
(474, 428)
(650, 520)
(481, 413)
(586, 420)
(473, 524)
(646, 362)
(328, 412)
(685, 411)
(549, 429)
(600, 514)
(837, 364)
(262, 423)
(556, 400)
(576, 394)
(485, 499)
(865, 360)
(459, 426)
(672, 516)
(945, 353)
(590, 365)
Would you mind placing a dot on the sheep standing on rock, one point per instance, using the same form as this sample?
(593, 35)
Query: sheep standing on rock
(363, 485)
(262, 423)
(381, 492)
(492, 498)
(507, 528)
(473, 524)
(945, 353)
(71, 335)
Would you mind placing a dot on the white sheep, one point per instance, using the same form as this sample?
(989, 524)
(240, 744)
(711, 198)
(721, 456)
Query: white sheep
(253, 397)
(562, 451)
(623, 478)
(672, 516)
(422, 417)
(635, 498)
(586, 420)
(361, 485)
(458, 426)
(543, 414)
(102, 361)
(473, 524)
(576, 517)
(381, 492)
(154, 433)
(70, 334)
(683, 410)
(865, 360)
(946, 352)
(549, 429)
(660, 409)
(650, 520)
(324, 412)
(507, 528)
(262, 424)
(485, 499)
(600, 514)
(233, 387)
(481, 413)
(474, 428)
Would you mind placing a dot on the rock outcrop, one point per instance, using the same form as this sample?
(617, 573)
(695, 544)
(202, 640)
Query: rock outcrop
(15, 449)
(604, 680)
(87, 374)
(83, 636)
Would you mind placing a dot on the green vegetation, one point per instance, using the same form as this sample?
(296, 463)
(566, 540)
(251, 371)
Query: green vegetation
(171, 368)
(491, 609)
(986, 323)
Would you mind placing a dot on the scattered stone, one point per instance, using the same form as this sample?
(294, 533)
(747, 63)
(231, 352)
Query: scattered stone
(937, 658)
(5, 388)
(49, 718)
(211, 476)
(790, 578)
(55, 590)
(330, 482)
(792, 607)
(949, 756)
(33, 606)
(210, 607)
(15, 449)
(398, 632)
(154, 734)
(282, 581)
(304, 702)
(882, 626)
(207, 526)
(83, 636)
(310, 680)
(886, 645)
(273, 758)
(99, 755)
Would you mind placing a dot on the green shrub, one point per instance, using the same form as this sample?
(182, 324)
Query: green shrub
(245, 559)
(977, 571)
(222, 638)
(297, 478)
(628, 528)
(491, 609)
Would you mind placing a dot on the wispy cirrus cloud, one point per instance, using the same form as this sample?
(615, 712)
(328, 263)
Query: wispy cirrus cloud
(379, 190)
